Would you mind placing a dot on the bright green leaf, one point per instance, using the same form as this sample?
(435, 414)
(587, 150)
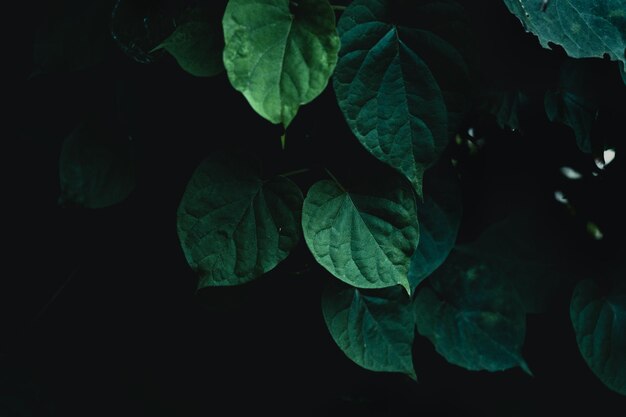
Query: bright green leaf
(365, 238)
(197, 44)
(387, 92)
(599, 321)
(96, 167)
(585, 29)
(233, 226)
(279, 53)
(439, 216)
(375, 329)
(574, 103)
(472, 316)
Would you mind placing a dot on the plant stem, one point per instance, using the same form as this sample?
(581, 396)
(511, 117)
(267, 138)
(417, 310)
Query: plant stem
(338, 8)
(330, 174)
(296, 172)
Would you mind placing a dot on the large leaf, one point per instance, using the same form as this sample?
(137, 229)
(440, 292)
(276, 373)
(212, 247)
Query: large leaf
(96, 167)
(279, 53)
(232, 225)
(365, 238)
(386, 91)
(197, 44)
(472, 315)
(439, 216)
(599, 321)
(74, 36)
(375, 329)
(585, 29)
(575, 102)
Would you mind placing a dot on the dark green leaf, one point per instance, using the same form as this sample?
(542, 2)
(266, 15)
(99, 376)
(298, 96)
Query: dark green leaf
(375, 329)
(506, 107)
(439, 216)
(365, 238)
(279, 53)
(197, 43)
(96, 167)
(139, 26)
(599, 321)
(574, 103)
(472, 316)
(585, 29)
(387, 92)
(233, 226)
(74, 37)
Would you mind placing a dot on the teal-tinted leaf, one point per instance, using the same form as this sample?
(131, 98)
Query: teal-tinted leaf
(439, 216)
(622, 72)
(233, 226)
(575, 102)
(505, 106)
(197, 44)
(585, 29)
(279, 53)
(375, 329)
(96, 167)
(365, 238)
(387, 92)
(74, 37)
(599, 321)
(139, 26)
(471, 315)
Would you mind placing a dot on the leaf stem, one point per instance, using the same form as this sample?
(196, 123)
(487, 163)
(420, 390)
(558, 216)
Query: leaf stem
(338, 8)
(330, 174)
(295, 172)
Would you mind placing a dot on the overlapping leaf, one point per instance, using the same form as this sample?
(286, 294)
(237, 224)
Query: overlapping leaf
(439, 216)
(471, 315)
(364, 238)
(279, 53)
(96, 167)
(375, 329)
(599, 321)
(232, 225)
(585, 29)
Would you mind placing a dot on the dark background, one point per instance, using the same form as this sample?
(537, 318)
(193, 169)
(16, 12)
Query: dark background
(99, 312)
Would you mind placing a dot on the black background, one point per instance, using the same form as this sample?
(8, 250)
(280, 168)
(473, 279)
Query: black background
(100, 315)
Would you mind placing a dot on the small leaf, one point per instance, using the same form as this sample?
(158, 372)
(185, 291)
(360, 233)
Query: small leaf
(232, 225)
(575, 102)
(585, 29)
(363, 238)
(439, 216)
(279, 53)
(140, 26)
(600, 324)
(387, 92)
(506, 107)
(197, 44)
(96, 168)
(472, 316)
(375, 329)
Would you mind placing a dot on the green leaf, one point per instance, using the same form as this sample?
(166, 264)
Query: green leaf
(73, 38)
(140, 26)
(575, 102)
(505, 106)
(375, 329)
(279, 53)
(585, 29)
(387, 92)
(96, 167)
(197, 44)
(599, 321)
(439, 216)
(233, 226)
(364, 238)
(472, 316)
